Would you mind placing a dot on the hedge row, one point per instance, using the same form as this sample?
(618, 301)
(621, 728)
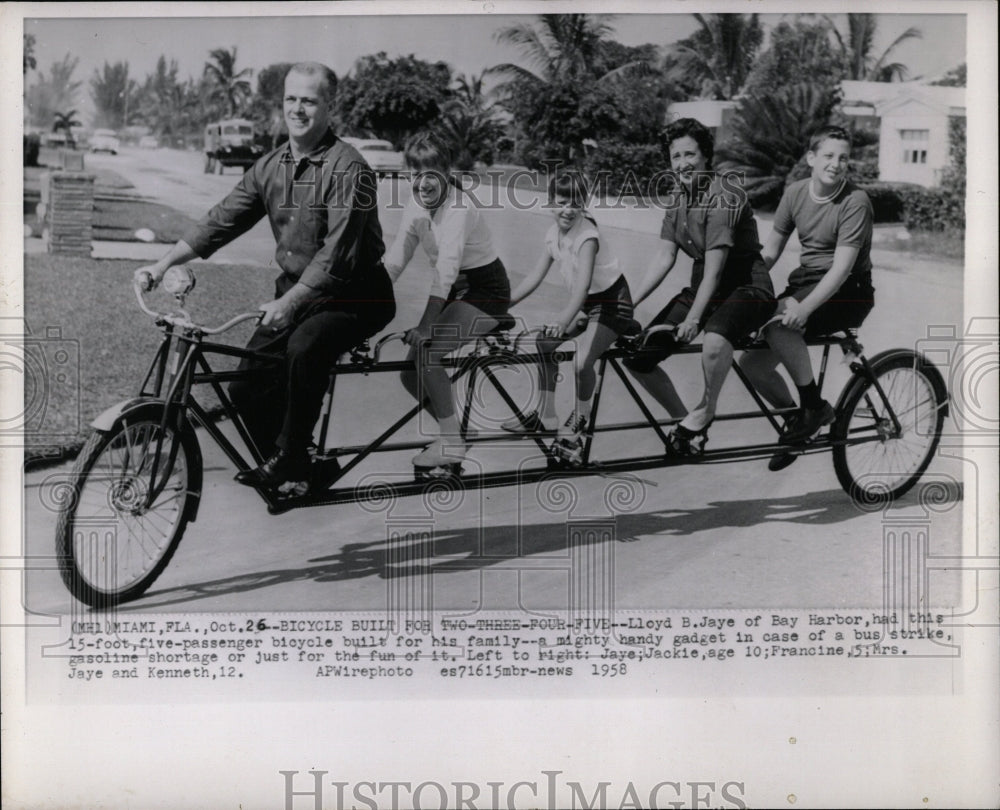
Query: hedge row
(933, 209)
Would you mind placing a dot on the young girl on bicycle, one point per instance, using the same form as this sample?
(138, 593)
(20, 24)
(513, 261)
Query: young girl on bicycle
(730, 293)
(469, 295)
(597, 311)
(830, 291)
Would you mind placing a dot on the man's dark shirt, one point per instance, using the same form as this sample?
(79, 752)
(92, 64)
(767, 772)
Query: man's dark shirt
(323, 213)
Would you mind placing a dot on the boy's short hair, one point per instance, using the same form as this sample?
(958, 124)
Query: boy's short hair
(425, 151)
(571, 183)
(832, 133)
(690, 128)
(317, 69)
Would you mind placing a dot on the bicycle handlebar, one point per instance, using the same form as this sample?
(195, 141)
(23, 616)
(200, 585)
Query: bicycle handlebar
(182, 319)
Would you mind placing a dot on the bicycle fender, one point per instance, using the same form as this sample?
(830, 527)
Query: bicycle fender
(124, 409)
(928, 367)
(106, 420)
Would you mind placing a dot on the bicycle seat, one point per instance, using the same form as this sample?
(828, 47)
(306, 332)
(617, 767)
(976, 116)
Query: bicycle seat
(505, 323)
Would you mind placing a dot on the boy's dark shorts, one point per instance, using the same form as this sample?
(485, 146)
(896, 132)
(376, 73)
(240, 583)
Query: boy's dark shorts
(845, 309)
(733, 317)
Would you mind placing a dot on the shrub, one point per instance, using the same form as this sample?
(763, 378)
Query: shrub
(887, 199)
(933, 209)
(627, 167)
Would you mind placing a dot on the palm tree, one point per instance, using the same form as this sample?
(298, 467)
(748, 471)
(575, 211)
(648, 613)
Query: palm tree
(231, 86)
(856, 50)
(469, 123)
(66, 121)
(719, 56)
(564, 49)
(566, 53)
(769, 135)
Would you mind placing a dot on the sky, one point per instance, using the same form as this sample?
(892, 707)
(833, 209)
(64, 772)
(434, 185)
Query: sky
(465, 41)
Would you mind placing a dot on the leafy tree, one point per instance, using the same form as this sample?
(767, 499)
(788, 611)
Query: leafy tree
(857, 50)
(55, 91)
(113, 91)
(29, 53)
(797, 49)
(392, 98)
(953, 78)
(769, 135)
(954, 176)
(567, 97)
(715, 61)
(267, 106)
(227, 84)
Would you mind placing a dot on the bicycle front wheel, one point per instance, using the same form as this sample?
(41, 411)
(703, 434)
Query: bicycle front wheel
(112, 540)
(888, 426)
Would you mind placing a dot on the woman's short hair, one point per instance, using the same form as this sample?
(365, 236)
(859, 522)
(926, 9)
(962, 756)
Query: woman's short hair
(570, 183)
(690, 128)
(832, 133)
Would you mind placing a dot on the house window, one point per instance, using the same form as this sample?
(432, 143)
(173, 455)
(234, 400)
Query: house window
(914, 144)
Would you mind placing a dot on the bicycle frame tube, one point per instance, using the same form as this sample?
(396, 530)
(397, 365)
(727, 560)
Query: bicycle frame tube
(181, 363)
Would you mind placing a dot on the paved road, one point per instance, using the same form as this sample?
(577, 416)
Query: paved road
(709, 536)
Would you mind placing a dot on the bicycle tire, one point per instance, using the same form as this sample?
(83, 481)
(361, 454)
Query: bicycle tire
(104, 531)
(874, 466)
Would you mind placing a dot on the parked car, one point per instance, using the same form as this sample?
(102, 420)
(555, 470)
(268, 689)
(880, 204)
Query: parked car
(149, 142)
(380, 155)
(105, 140)
(230, 143)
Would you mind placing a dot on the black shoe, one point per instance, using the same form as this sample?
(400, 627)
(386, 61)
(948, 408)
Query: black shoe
(806, 423)
(322, 473)
(683, 442)
(281, 468)
(780, 460)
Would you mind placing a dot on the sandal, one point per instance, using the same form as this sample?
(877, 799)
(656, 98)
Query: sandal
(531, 424)
(683, 442)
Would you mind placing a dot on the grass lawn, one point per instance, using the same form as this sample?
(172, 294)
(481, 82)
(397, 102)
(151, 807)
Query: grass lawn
(118, 220)
(89, 345)
(115, 220)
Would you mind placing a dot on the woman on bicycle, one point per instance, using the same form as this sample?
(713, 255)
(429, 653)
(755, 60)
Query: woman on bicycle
(597, 310)
(709, 218)
(469, 294)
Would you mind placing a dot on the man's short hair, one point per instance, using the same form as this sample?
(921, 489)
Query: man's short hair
(322, 71)
(832, 133)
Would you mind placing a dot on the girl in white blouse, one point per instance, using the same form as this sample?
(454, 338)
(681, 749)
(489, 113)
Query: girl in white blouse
(597, 311)
(469, 294)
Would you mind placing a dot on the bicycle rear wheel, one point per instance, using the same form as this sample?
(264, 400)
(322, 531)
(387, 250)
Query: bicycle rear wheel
(110, 544)
(875, 460)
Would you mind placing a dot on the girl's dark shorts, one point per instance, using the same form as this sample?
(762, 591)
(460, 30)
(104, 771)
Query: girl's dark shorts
(611, 307)
(734, 316)
(487, 288)
(845, 309)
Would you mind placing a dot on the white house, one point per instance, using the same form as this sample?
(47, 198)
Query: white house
(912, 119)
(913, 126)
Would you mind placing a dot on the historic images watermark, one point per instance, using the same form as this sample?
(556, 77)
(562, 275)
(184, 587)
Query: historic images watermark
(517, 190)
(314, 790)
